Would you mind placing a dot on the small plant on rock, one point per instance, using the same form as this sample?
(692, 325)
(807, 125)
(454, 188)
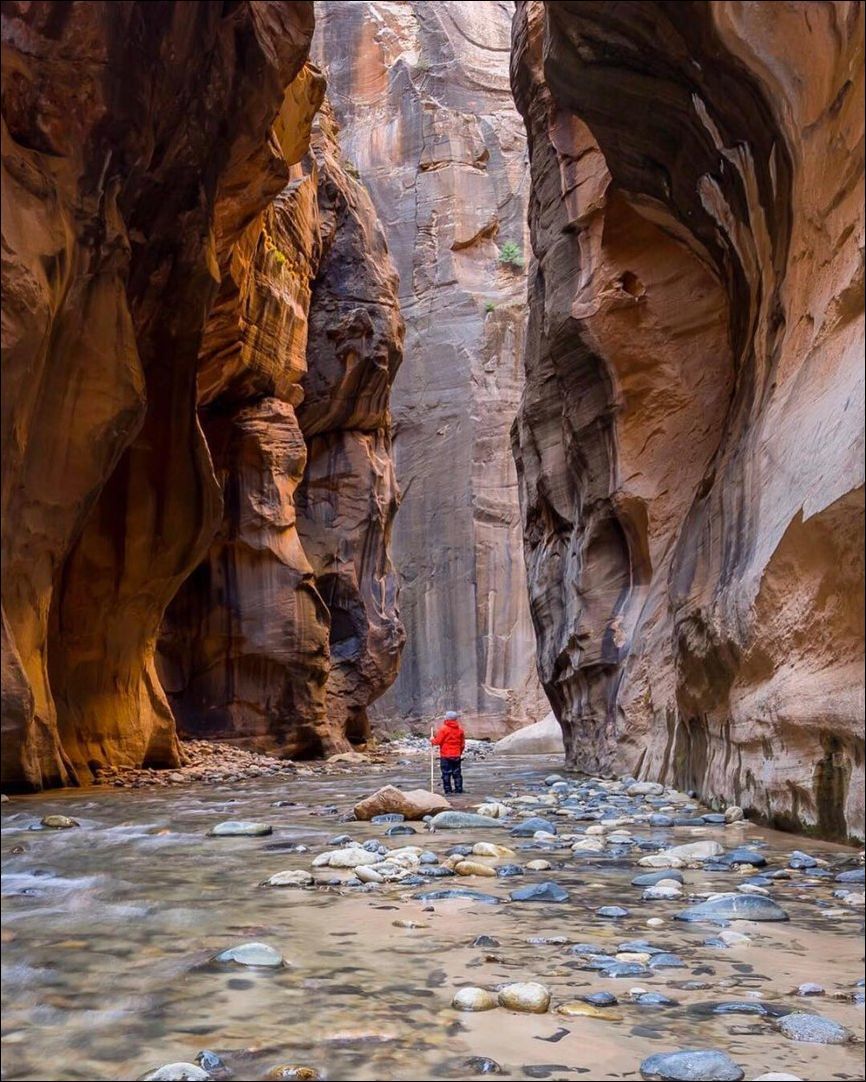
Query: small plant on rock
(489, 306)
(510, 254)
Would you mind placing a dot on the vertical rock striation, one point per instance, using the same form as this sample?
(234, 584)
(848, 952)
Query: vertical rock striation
(136, 147)
(428, 122)
(690, 438)
(288, 628)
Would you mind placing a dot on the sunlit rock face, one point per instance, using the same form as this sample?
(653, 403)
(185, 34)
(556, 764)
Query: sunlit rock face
(137, 145)
(690, 438)
(288, 629)
(422, 95)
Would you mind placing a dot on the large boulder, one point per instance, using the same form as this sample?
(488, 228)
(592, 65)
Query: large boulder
(542, 738)
(412, 804)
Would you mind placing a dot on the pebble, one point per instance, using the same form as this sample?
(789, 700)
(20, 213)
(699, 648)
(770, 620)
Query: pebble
(473, 867)
(388, 817)
(240, 828)
(654, 999)
(734, 907)
(529, 827)
(734, 814)
(455, 820)
(799, 861)
(258, 955)
(813, 1029)
(650, 879)
(369, 875)
(482, 1065)
(485, 941)
(508, 871)
(292, 878)
(525, 996)
(811, 989)
(294, 1072)
(853, 875)
(703, 850)
(473, 999)
(743, 856)
(488, 849)
(601, 999)
(539, 866)
(775, 1076)
(400, 828)
(612, 912)
(577, 1009)
(351, 857)
(539, 892)
(210, 1061)
(494, 809)
(691, 1065)
(664, 890)
(178, 1072)
(456, 892)
(60, 822)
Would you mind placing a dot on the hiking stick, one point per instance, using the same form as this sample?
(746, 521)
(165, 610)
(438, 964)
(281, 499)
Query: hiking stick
(432, 768)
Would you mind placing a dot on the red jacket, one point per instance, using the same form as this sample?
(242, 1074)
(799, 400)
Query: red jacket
(450, 739)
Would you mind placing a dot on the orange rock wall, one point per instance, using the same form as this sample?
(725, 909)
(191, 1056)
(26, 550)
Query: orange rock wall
(690, 439)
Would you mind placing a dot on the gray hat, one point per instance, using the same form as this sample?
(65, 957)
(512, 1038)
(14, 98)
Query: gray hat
(452, 715)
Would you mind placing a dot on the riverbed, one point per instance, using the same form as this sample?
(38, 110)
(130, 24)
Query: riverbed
(110, 931)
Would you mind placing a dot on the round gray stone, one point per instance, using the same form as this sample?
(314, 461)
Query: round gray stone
(691, 1065)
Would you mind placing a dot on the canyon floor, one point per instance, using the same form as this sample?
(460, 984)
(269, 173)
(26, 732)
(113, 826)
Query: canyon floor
(112, 930)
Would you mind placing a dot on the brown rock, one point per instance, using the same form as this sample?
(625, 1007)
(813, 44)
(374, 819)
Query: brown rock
(413, 803)
(689, 442)
(286, 632)
(129, 130)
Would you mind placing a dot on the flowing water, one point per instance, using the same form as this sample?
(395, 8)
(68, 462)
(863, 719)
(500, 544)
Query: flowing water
(110, 931)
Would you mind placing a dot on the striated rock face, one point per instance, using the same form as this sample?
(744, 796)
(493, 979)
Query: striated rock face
(422, 95)
(287, 630)
(135, 149)
(690, 439)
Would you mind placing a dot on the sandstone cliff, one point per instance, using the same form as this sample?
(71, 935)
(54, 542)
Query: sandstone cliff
(288, 629)
(690, 439)
(422, 94)
(128, 130)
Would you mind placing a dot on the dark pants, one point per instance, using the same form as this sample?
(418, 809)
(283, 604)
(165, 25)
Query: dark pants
(451, 771)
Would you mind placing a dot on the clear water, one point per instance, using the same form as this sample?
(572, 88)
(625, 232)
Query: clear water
(109, 932)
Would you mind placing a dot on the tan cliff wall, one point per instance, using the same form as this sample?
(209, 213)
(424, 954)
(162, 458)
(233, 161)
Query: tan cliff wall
(428, 122)
(690, 439)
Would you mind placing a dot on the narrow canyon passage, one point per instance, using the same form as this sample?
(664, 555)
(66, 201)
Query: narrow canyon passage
(363, 361)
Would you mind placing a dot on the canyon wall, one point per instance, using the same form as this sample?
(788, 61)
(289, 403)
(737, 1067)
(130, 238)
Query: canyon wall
(288, 629)
(164, 238)
(690, 437)
(422, 95)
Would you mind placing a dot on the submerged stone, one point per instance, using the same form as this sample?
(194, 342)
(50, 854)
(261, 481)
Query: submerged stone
(734, 907)
(240, 828)
(529, 827)
(690, 1065)
(456, 820)
(540, 892)
(255, 955)
(813, 1029)
(178, 1072)
(456, 892)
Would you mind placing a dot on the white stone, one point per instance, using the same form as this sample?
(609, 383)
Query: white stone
(296, 877)
(350, 857)
(527, 996)
(473, 999)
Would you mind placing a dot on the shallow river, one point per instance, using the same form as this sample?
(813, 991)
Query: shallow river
(110, 929)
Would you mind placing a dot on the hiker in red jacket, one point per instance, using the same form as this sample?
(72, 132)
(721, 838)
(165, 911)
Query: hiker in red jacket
(451, 740)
